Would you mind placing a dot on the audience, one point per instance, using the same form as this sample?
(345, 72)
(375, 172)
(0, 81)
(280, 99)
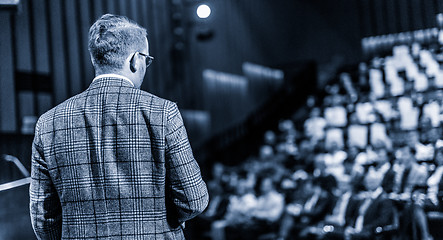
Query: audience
(367, 163)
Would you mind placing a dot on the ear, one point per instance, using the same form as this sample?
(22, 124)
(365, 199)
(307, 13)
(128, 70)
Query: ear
(132, 64)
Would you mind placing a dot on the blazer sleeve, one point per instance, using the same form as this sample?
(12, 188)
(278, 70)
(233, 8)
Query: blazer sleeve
(45, 207)
(187, 190)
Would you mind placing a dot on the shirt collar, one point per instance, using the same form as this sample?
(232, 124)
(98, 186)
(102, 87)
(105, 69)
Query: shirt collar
(377, 193)
(113, 75)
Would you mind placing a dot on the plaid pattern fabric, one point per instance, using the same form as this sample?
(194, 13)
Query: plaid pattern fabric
(113, 162)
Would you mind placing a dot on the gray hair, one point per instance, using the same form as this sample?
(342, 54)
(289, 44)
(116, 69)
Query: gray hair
(112, 38)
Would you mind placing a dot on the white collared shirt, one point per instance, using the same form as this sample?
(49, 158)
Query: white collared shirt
(113, 75)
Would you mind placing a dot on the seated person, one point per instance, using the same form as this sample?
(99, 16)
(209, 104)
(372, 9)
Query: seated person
(302, 212)
(238, 210)
(219, 195)
(407, 174)
(267, 211)
(377, 216)
(218, 202)
(270, 203)
(435, 181)
(314, 126)
(414, 223)
(428, 133)
(256, 215)
(333, 161)
(343, 214)
(424, 198)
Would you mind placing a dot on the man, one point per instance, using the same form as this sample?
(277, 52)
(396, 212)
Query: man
(408, 173)
(344, 212)
(305, 211)
(114, 162)
(376, 217)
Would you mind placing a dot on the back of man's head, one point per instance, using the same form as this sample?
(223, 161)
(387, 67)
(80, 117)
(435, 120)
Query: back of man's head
(112, 39)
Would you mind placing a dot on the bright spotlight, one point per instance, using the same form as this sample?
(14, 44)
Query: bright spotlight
(203, 11)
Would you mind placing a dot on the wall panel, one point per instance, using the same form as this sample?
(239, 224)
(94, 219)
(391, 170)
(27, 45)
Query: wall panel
(384, 17)
(58, 59)
(417, 14)
(87, 71)
(159, 74)
(51, 38)
(429, 13)
(110, 6)
(22, 50)
(47, 39)
(97, 9)
(133, 10)
(438, 5)
(42, 101)
(123, 7)
(45, 102)
(226, 99)
(403, 16)
(7, 93)
(391, 16)
(73, 46)
(27, 104)
(40, 24)
(379, 14)
(143, 12)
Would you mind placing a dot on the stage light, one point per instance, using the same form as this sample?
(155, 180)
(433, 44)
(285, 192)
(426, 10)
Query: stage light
(203, 11)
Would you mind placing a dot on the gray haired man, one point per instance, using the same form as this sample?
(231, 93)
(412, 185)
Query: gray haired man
(114, 162)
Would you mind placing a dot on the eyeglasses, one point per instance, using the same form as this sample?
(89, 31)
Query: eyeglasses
(149, 59)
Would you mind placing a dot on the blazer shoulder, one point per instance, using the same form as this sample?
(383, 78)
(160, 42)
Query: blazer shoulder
(154, 100)
(49, 115)
(145, 94)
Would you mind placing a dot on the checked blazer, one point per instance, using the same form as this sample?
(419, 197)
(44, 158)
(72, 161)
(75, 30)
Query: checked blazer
(113, 162)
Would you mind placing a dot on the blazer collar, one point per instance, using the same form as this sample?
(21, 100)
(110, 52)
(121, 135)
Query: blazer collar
(111, 79)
